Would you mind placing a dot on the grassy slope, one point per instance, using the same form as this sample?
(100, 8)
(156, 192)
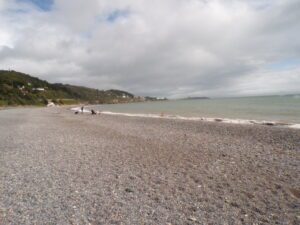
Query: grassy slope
(19, 89)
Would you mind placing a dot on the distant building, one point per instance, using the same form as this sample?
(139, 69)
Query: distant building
(38, 89)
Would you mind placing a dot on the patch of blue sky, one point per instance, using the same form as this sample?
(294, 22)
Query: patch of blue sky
(44, 5)
(111, 17)
(284, 64)
(116, 14)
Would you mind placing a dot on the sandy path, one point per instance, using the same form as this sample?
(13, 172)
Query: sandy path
(61, 168)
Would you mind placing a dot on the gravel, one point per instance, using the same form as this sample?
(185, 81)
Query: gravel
(60, 168)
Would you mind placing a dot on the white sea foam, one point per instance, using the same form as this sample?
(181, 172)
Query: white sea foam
(78, 109)
(208, 119)
(295, 126)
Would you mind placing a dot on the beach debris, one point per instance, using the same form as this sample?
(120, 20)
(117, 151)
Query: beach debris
(295, 192)
(50, 104)
(93, 112)
(76, 112)
(129, 190)
(192, 219)
(268, 123)
(218, 120)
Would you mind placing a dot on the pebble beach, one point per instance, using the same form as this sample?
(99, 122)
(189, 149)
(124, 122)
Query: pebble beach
(60, 168)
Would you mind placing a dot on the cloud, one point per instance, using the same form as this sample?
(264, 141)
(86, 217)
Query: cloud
(172, 48)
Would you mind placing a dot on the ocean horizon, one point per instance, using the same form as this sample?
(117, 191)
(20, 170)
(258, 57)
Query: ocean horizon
(280, 109)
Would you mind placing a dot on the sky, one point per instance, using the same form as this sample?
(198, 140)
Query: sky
(162, 48)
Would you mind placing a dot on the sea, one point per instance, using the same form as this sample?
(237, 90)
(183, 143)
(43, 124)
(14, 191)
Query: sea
(264, 109)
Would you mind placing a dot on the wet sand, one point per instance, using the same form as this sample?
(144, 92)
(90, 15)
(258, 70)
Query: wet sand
(60, 168)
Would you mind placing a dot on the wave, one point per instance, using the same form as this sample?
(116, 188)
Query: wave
(207, 119)
(78, 109)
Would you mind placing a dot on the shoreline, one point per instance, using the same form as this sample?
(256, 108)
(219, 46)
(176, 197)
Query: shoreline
(206, 119)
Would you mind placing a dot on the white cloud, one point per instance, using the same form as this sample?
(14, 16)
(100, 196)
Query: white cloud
(166, 48)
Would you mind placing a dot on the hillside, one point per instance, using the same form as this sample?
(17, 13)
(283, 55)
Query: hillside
(21, 89)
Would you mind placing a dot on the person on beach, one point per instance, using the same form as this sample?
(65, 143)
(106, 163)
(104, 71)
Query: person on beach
(82, 107)
(93, 112)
